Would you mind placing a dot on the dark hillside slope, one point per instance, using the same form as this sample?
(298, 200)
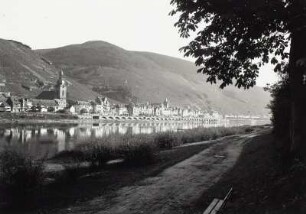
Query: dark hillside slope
(26, 73)
(249, 100)
(152, 77)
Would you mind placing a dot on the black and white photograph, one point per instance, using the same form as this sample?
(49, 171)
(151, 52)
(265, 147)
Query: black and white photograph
(152, 106)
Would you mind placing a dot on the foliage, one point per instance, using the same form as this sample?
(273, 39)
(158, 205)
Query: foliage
(280, 109)
(132, 148)
(204, 134)
(84, 111)
(167, 140)
(51, 109)
(234, 38)
(248, 129)
(20, 178)
(139, 153)
(99, 154)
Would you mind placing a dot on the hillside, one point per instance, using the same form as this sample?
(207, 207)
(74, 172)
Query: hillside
(26, 73)
(151, 77)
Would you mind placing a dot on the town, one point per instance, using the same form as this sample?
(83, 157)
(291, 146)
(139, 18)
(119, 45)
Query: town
(56, 101)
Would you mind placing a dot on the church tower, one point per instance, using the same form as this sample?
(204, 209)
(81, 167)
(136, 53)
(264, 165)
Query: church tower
(166, 103)
(61, 87)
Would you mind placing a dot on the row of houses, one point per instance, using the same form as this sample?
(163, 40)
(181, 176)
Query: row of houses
(101, 106)
(142, 109)
(19, 104)
(55, 100)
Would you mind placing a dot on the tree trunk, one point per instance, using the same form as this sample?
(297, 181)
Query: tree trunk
(298, 88)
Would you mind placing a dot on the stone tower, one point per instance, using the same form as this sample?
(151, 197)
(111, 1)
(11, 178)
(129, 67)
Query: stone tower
(61, 87)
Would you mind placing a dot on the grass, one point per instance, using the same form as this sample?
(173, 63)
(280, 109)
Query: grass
(134, 149)
(168, 140)
(141, 149)
(20, 179)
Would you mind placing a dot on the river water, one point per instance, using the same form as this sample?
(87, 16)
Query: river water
(47, 140)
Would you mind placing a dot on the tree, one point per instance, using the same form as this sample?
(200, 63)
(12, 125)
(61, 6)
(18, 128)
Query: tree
(51, 109)
(234, 38)
(84, 111)
(280, 108)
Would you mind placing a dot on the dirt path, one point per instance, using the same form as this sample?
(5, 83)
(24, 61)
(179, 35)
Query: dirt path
(174, 188)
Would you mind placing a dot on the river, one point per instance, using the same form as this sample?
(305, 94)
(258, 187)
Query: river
(46, 140)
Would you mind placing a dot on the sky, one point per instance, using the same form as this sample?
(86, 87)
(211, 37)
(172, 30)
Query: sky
(139, 25)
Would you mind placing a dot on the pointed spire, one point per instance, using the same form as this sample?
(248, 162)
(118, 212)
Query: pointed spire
(60, 80)
(61, 74)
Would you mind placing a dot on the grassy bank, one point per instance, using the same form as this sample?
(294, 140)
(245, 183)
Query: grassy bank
(140, 148)
(143, 155)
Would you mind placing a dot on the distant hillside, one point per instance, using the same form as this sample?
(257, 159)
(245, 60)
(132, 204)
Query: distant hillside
(152, 77)
(27, 73)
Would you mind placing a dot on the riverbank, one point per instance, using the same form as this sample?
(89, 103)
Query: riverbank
(79, 184)
(170, 188)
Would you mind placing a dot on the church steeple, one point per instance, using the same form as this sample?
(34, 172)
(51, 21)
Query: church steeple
(61, 87)
(166, 103)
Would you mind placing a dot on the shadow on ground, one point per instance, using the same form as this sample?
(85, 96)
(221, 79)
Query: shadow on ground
(261, 183)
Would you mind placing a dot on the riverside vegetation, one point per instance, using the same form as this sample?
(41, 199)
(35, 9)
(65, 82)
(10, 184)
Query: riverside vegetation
(23, 180)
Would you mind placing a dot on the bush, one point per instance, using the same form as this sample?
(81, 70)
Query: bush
(167, 140)
(248, 130)
(139, 154)
(99, 155)
(20, 178)
(70, 156)
(280, 108)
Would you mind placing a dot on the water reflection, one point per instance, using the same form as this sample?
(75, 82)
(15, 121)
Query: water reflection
(45, 141)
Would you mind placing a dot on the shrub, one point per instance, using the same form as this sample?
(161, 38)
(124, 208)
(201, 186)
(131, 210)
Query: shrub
(70, 156)
(98, 155)
(281, 108)
(248, 130)
(20, 178)
(167, 140)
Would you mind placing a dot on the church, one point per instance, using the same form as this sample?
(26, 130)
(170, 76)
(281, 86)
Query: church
(58, 96)
(47, 101)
